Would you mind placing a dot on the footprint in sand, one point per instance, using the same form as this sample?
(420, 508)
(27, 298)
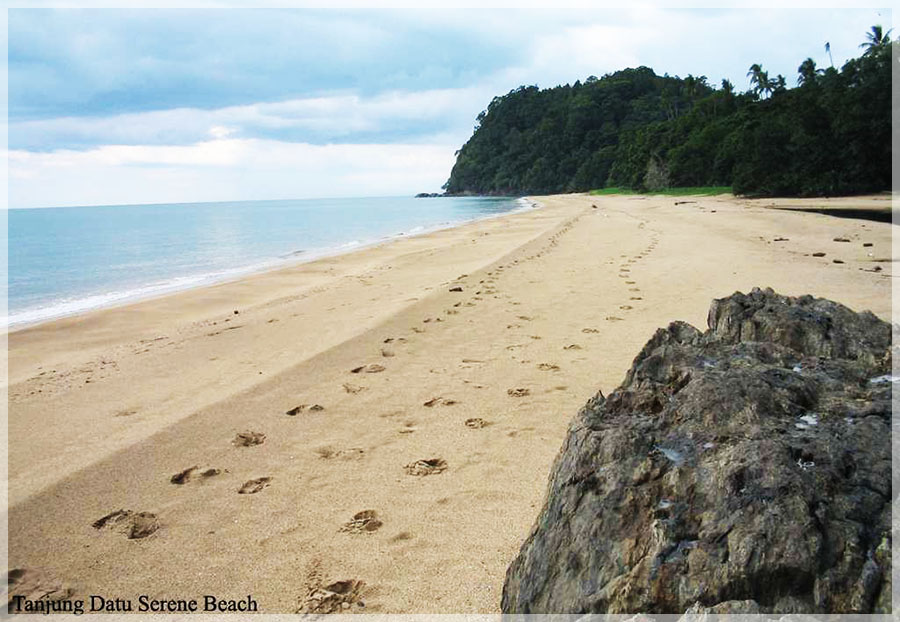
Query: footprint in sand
(194, 473)
(363, 522)
(443, 401)
(548, 367)
(34, 585)
(219, 332)
(330, 453)
(296, 410)
(253, 486)
(629, 282)
(572, 346)
(634, 289)
(387, 353)
(625, 307)
(352, 388)
(336, 597)
(635, 298)
(589, 330)
(519, 392)
(135, 525)
(372, 368)
(416, 329)
(248, 439)
(422, 468)
(613, 318)
(476, 423)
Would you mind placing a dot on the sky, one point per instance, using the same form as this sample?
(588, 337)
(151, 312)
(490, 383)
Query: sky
(109, 106)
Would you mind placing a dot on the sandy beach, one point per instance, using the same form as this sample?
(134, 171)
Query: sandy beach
(428, 381)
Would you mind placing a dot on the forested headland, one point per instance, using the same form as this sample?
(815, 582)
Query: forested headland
(828, 133)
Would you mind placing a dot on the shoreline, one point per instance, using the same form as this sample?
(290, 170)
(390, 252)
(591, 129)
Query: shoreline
(82, 345)
(151, 291)
(469, 349)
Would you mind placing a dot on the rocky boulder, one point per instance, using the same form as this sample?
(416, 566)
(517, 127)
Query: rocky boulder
(745, 469)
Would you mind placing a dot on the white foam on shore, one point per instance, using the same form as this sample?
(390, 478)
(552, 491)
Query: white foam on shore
(72, 306)
(67, 307)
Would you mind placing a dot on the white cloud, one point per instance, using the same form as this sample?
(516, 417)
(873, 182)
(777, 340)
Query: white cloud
(224, 169)
(586, 50)
(220, 131)
(315, 119)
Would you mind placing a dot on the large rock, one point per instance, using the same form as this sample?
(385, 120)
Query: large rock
(744, 469)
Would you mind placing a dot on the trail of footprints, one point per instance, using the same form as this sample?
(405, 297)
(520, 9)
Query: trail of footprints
(625, 274)
(339, 596)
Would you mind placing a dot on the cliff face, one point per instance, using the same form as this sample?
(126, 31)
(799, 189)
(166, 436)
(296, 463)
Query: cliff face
(744, 469)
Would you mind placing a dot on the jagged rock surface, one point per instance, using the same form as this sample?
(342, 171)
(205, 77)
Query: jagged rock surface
(744, 469)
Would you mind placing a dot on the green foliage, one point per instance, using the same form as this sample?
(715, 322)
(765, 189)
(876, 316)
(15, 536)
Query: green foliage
(671, 192)
(635, 130)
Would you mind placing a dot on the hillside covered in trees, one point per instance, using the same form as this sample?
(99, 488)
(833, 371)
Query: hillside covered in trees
(828, 135)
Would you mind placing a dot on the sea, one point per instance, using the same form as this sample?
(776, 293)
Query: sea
(67, 260)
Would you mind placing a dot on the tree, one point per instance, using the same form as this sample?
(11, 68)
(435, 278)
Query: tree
(876, 39)
(753, 74)
(690, 87)
(808, 72)
(778, 85)
(828, 49)
(759, 79)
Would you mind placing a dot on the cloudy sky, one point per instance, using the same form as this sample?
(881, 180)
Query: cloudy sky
(168, 105)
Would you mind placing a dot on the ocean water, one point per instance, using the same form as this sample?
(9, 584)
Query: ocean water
(68, 260)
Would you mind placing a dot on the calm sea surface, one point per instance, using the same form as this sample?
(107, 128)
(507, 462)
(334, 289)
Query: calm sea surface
(67, 260)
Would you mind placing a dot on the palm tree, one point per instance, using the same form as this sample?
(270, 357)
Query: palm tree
(754, 75)
(760, 80)
(727, 86)
(876, 39)
(828, 49)
(765, 85)
(808, 72)
(778, 84)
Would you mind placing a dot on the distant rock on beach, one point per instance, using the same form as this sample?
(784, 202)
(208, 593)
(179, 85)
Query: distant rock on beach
(746, 469)
(428, 195)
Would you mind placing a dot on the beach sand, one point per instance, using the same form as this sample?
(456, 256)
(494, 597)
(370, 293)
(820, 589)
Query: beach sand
(478, 344)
